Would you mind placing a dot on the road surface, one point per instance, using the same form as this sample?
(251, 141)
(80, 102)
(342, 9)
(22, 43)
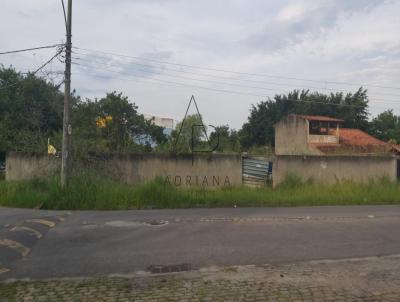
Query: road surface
(52, 244)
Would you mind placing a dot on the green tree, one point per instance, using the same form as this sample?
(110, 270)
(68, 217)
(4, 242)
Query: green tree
(30, 111)
(386, 126)
(259, 129)
(184, 138)
(112, 124)
(228, 139)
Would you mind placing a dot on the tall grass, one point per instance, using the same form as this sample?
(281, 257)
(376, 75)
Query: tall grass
(88, 192)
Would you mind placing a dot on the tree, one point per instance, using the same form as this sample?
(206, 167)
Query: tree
(259, 129)
(112, 124)
(183, 134)
(386, 126)
(30, 111)
(228, 139)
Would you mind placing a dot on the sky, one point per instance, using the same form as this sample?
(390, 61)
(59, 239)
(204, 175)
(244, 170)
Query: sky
(229, 54)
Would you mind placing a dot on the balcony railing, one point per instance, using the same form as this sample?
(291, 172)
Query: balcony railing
(323, 139)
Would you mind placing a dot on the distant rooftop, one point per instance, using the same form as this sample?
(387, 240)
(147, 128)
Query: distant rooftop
(164, 122)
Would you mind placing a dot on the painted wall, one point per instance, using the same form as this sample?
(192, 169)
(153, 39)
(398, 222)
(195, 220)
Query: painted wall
(331, 169)
(214, 171)
(291, 137)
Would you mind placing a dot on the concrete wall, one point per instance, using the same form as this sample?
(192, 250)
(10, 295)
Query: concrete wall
(291, 137)
(214, 171)
(27, 166)
(218, 170)
(332, 169)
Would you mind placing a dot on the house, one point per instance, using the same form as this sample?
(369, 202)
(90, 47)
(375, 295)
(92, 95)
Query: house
(319, 148)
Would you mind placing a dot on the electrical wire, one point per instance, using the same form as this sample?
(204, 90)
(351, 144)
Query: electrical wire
(238, 72)
(38, 69)
(30, 49)
(188, 78)
(48, 61)
(216, 82)
(172, 83)
(65, 15)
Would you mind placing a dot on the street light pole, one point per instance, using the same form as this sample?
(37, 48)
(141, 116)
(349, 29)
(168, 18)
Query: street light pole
(67, 129)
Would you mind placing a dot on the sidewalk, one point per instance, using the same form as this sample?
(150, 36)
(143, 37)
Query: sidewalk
(364, 279)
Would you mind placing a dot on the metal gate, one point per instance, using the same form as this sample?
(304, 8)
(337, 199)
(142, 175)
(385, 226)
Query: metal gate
(256, 171)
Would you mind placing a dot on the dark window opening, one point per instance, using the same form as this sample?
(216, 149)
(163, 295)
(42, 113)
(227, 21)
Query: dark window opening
(322, 128)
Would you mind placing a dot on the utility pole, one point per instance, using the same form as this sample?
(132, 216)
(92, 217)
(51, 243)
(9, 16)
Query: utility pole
(67, 129)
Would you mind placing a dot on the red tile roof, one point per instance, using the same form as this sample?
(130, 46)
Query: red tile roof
(320, 118)
(354, 141)
(356, 137)
(396, 148)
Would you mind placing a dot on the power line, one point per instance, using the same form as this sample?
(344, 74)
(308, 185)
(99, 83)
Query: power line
(238, 72)
(179, 84)
(37, 70)
(193, 79)
(172, 83)
(30, 49)
(217, 82)
(65, 15)
(128, 74)
(48, 61)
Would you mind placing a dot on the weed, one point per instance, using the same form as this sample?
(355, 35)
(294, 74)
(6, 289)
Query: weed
(87, 192)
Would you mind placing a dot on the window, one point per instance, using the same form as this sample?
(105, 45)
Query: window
(321, 128)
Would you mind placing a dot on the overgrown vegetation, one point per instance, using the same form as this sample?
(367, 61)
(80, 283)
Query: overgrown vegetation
(31, 110)
(87, 193)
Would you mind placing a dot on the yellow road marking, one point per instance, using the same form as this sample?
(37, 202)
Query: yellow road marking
(23, 228)
(15, 245)
(3, 270)
(45, 222)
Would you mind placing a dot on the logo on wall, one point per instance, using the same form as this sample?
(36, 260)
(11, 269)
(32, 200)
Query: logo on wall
(197, 180)
(202, 126)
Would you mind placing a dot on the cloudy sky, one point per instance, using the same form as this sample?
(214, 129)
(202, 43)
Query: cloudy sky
(228, 53)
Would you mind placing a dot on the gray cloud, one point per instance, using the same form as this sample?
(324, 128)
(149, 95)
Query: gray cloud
(340, 40)
(278, 34)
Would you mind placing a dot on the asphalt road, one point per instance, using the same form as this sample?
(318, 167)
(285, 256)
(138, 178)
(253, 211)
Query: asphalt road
(77, 244)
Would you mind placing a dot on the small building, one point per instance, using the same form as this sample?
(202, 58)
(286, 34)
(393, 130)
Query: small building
(167, 123)
(319, 148)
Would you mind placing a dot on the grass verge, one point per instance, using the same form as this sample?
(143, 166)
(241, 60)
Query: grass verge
(89, 193)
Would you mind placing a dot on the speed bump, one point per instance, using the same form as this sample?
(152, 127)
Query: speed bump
(27, 229)
(45, 222)
(3, 270)
(23, 250)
